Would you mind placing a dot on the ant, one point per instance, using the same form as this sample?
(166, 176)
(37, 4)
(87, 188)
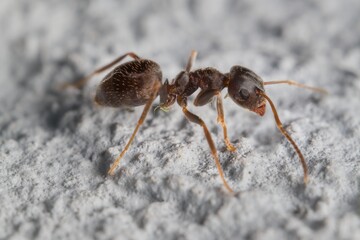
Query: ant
(139, 82)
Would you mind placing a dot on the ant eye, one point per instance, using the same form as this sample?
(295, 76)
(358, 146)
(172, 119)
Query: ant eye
(244, 94)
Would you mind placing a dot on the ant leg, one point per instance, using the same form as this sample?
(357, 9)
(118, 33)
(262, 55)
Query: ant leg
(196, 119)
(191, 61)
(221, 120)
(80, 83)
(140, 122)
(204, 97)
(290, 82)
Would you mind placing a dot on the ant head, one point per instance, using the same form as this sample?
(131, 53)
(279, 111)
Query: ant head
(244, 89)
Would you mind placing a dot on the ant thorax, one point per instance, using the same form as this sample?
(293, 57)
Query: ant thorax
(209, 78)
(186, 83)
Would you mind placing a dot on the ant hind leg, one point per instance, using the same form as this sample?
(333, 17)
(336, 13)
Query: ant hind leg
(140, 122)
(80, 83)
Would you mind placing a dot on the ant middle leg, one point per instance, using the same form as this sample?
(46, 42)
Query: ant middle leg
(221, 120)
(191, 61)
(80, 83)
(196, 119)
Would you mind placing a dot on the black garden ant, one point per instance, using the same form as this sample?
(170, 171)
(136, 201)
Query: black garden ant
(139, 82)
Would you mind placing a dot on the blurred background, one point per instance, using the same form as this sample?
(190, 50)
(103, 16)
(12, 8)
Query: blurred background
(84, 34)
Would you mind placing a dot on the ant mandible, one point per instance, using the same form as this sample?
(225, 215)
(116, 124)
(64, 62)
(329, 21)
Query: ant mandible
(139, 82)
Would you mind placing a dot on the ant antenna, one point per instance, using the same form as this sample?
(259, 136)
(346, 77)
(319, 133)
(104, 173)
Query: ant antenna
(291, 82)
(283, 131)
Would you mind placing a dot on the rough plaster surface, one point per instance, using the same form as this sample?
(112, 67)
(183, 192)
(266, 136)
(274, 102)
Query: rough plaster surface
(56, 146)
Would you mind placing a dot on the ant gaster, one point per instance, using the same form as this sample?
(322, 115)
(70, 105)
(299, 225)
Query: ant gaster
(139, 82)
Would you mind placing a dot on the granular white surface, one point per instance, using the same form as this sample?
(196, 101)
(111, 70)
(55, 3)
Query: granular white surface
(56, 146)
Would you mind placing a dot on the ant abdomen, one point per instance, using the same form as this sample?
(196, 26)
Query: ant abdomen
(130, 84)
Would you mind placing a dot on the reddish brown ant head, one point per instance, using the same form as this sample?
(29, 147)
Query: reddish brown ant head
(244, 89)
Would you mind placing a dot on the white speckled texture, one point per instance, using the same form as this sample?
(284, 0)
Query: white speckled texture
(55, 147)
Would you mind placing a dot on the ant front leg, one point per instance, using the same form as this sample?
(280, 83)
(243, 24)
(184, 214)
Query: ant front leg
(221, 120)
(196, 119)
(80, 83)
(205, 97)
